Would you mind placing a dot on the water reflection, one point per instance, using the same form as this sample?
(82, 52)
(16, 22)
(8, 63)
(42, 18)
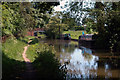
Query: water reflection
(82, 66)
(107, 71)
(86, 50)
(81, 62)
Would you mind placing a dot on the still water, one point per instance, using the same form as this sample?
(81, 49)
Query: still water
(84, 63)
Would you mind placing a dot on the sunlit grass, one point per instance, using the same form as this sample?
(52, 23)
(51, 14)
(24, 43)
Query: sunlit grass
(30, 37)
(31, 52)
(42, 35)
(13, 48)
(12, 61)
(37, 47)
(74, 34)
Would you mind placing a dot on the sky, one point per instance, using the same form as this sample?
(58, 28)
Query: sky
(62, 4)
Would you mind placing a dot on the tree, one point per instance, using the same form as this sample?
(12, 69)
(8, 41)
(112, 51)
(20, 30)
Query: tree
(104, 17)
(17, 17)
(55, 26)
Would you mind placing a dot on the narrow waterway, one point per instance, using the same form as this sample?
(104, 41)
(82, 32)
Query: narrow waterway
(82, 62)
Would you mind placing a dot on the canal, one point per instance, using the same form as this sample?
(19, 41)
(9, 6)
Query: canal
(82, 62)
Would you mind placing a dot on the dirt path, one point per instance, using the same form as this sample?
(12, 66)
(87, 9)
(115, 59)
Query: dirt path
(24, 54)
(30, 73)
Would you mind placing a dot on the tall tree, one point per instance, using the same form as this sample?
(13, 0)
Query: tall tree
(106, 17)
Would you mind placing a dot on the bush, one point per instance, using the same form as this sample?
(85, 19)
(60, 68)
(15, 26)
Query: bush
(79, 28)
(116, 47)
(102, 42)
(48, 66)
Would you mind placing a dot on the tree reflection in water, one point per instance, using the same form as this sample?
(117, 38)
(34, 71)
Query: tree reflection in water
(81, 63)
(81, 66)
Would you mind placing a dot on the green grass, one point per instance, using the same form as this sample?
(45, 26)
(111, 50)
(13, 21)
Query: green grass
(74, 34)
(12, 62)
(30, 37)
(14, 65)
(31, 52)
(42, 35)
(26, 38)
(37, 47)
(13, 48)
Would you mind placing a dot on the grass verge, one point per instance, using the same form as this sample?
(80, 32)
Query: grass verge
(13, 48)
(12, 62)
(33, 49)
(74, 34)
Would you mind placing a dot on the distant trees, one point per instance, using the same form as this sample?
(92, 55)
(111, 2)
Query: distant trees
(55, 27)
(41, 12)
(70, 22)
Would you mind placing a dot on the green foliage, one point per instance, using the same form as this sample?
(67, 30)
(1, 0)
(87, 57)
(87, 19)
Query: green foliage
(17, 17)
(45, 6)
(41, 35)
(12, 65)
(34, 40)
(12, 21)
(70, 22)
(108, 22)
(54, 28)
(77, 28)
(31, 52)
(101, 42)
(99, 17)
(48, 66)
(33, 49)
(91, 27)
(41, 12)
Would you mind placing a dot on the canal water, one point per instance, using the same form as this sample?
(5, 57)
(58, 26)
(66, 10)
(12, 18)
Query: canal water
(84, 63)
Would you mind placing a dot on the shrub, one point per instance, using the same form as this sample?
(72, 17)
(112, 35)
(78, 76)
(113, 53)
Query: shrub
(48, 66)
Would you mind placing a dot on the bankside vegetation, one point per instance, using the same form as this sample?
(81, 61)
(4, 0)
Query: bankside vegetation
(17, 18)
(100, 17)
(40, 55)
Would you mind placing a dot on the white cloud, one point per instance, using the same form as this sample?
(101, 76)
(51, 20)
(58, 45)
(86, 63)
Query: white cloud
(62, 4)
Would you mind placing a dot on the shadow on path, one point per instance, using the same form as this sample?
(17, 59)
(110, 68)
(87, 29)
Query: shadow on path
(30, 73)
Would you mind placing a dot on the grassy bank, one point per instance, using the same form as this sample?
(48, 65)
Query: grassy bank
(36, 47)
(12, 62)
(74, 34)
(42, 35)
(13, 48)
(41, 55)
